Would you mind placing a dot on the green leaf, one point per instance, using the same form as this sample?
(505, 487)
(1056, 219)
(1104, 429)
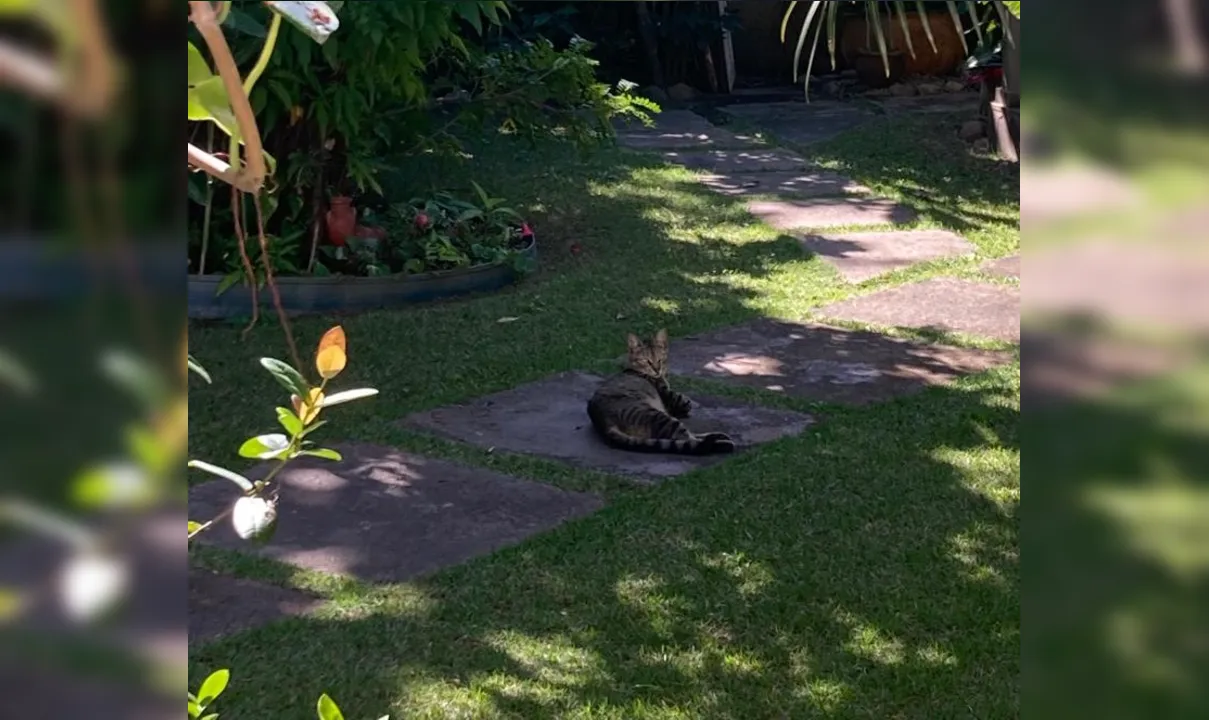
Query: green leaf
(194, 709)
(208, 101)
(291, 422)
(194, 526)
(213, 686)
(288, 377)
(313, 427)
(241, 21)
(234, 477)
(199, 69)
(264, 447)
(469, 11)
(324, 453)
(328, 710)
(117, 485)
(138, 377)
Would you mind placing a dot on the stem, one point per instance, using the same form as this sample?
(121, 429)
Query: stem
(268, 278)
(266, 51)
(202, 16)
(241, 238)
(205, 248)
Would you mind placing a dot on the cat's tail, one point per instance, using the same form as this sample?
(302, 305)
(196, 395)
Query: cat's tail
(708, 444)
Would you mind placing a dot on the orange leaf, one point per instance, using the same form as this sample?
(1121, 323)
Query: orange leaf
(332, 356)
(330, 362)
(335, 337)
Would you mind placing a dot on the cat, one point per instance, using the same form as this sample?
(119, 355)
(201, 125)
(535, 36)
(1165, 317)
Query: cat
(637, 409)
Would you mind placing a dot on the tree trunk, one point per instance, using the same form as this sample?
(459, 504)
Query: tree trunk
(650, 42)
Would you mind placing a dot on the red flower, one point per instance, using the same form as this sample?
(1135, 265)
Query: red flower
(421, 220)
(526, 231)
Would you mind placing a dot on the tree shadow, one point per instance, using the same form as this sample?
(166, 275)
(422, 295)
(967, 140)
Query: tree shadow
(852, 571)
(1117, 589)
(866, 568)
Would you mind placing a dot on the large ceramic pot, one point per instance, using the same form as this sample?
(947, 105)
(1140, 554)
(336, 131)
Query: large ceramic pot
(871, 70)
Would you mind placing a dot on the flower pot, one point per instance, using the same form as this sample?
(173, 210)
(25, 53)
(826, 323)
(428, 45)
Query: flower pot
(1005, 119)
(871, 71)
(341, 220)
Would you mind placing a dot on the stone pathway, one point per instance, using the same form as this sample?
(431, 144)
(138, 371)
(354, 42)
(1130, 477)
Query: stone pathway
(383, 515)
(548, 418)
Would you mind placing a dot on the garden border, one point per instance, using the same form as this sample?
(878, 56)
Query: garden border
(308, 295)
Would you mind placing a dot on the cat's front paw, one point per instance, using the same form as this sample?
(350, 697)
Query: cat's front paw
(682, 407)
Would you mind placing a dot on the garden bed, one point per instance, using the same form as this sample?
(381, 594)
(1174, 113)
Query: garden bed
(346, 293)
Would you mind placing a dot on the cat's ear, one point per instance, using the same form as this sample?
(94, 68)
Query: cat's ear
(633, 343)
(661, 339)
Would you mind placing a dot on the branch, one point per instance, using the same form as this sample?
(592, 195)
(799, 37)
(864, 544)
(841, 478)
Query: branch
(251, 179)
(210, 164)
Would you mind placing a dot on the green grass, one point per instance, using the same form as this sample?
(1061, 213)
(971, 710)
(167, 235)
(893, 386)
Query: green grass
(867, 568)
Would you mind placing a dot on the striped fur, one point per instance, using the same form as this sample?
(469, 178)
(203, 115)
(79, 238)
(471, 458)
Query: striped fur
(638, 410)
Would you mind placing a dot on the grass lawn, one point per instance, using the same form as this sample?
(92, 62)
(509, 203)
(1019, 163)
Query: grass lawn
(867, 568)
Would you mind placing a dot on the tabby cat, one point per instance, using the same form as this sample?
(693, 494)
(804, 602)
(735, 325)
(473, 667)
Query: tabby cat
(638, 410)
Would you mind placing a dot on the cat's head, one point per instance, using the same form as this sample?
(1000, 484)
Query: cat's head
(650, 359)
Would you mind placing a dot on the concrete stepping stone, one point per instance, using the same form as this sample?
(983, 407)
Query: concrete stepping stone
(222, 605)
(860, 256)
(804, 214)
(799, 123)
(1049, 193)
(1003, 267)
(385, 515)
(549, 418)
(713, 138)
(742, 161)
(948, 304)
(791, 183)
(1153, 283)
(668, 121)
(823, 363)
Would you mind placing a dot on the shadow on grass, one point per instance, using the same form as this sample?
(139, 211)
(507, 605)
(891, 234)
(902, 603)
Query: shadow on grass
(867, 568)
(858, 571)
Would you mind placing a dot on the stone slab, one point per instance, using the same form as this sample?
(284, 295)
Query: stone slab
(824, 363)
(713, 138)
(792, 183)
(804, 214)
(222, 605)
(800, 123)
(947, 304)
(730, 161)
(549, 418)
(1003, 267)
(861, 256)
(666, 121)
(385, 515)
(1049, 193)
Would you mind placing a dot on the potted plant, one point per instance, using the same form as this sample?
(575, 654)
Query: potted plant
(823, 14)
(882, 64)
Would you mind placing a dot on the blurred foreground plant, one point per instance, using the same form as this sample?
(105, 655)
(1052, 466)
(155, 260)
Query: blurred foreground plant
(216, 683)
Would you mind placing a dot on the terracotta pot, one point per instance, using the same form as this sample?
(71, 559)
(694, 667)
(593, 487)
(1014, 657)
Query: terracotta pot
(946, 59)
(871, 71)
(341, 220)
